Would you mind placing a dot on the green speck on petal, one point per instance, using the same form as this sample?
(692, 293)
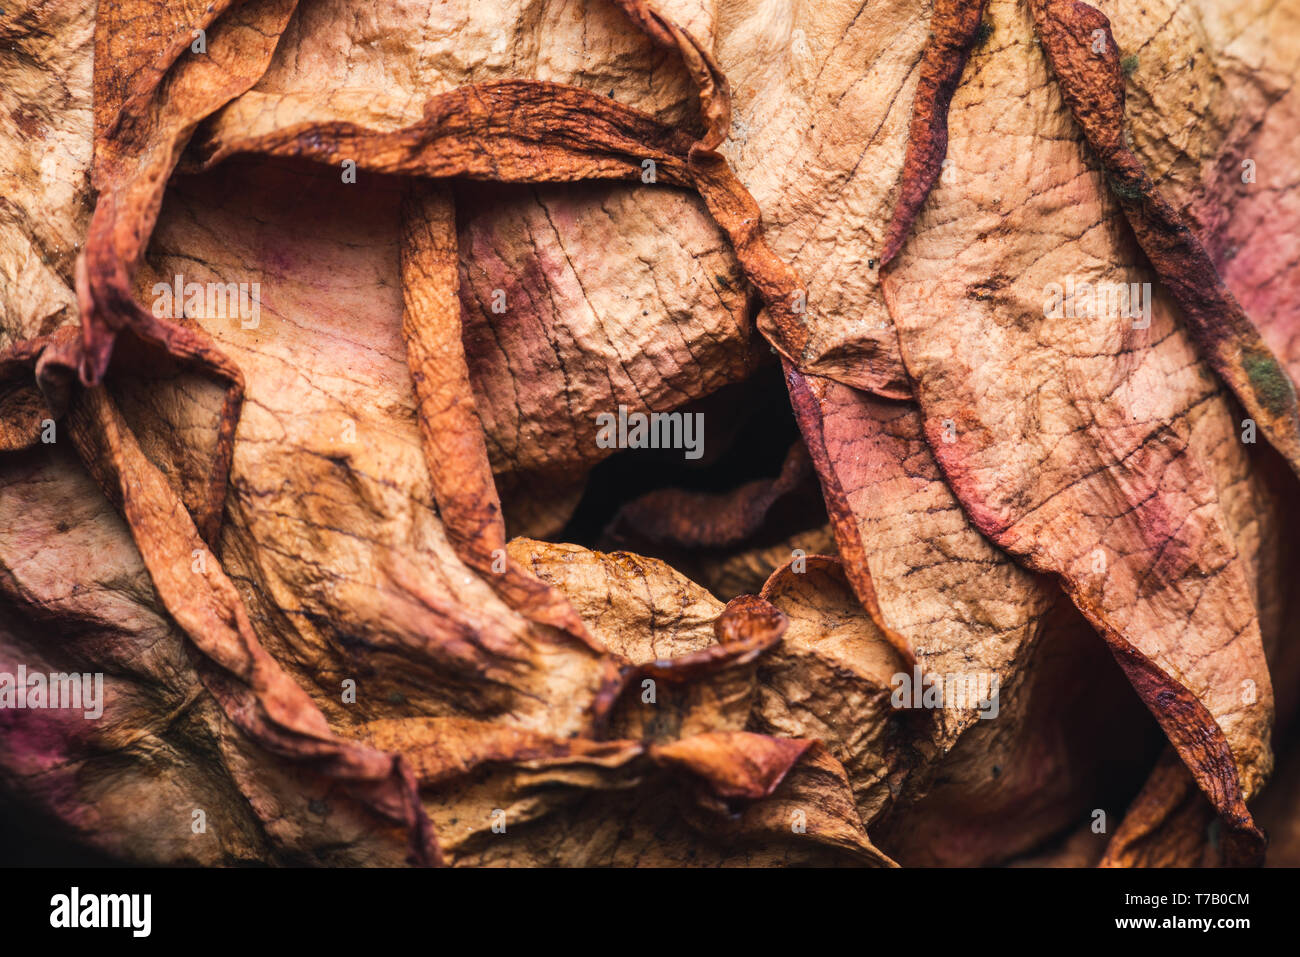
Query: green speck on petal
(1269, 382)
(1124, 190)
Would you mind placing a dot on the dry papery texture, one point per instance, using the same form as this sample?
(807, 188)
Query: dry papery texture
(366, 586)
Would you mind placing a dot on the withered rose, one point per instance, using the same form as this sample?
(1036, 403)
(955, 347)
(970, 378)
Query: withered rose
(680, 432)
